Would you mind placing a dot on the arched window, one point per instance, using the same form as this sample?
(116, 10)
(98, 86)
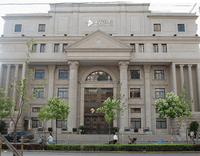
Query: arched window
(99, 76)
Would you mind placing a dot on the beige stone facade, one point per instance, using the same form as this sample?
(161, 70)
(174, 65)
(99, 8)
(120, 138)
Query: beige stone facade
(83, 48)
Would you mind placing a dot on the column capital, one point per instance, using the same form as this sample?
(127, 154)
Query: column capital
(8, 65)
(73, 64)
(51, 67)
(16, 65)
(123, 64)
(189, 65)
(181, 65)
(147, 68)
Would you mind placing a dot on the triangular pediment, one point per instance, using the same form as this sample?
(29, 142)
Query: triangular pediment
(98, 40)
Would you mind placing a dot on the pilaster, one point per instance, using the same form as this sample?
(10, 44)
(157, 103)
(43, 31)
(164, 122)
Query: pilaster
(147, 95)
(7, 77)
(123, 66)
(73, 84)
(174, 83)
(191, 86)
(181, 75)
(198, 83)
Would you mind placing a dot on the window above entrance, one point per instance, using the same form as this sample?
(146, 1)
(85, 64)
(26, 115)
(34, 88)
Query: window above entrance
(99, 76)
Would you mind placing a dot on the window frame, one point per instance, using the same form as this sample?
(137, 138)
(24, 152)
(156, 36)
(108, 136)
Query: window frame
(160, 93)
(136, 92)
(39, 94)
(40, 77)
(160, 121)
(42, 50)
(135, 110)
(36, 109)
(155, 48)
(41, 30)
(64, 45)
(157, 77)
(139, 121)
(134, 75)
(141, 50)
(34, 48)
(59, 74)
(134, 47)
(162, 47)
(20, 28)
(156, 24)
(179, 26)
(63, 93)
(36, 123)
(56, 48)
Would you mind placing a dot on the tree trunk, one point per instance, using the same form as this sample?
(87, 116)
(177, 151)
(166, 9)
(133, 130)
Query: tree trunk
(15, 134)
(109, 131)
(56, 131)
(171, 130)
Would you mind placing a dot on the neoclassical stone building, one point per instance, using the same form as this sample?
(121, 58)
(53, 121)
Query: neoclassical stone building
(83, 52)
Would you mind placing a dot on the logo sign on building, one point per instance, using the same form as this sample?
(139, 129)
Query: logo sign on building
(96, 23)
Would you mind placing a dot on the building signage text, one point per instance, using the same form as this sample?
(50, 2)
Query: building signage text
(96, 23)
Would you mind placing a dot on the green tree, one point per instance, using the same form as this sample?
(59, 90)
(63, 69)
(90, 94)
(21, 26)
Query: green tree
(173, 106)
(8, 103)
(111, 106)
(54, 109)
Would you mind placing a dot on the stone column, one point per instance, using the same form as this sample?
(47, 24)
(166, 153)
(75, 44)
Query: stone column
(82, 106)
(191, 86)
(181, 75)
(7, 77)
(1, 75)
(123, 65)
(51, 92)
(198, 83)
(73, 84)
(147, 95)
(16, 77)
(174, 83)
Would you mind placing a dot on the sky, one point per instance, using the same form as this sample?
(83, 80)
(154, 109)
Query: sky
(41, 6)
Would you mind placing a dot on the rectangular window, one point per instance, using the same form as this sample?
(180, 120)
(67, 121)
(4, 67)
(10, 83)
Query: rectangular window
(42, 48)
(157, 27)
(61, 124)
(63, 74)
(164, 48)
(141, 48)
(136, 122)
(39, 92)
(134, 92)
(62, 92)
(181, 27)
(135, 74)
(56, 48)
(41, 27)
(159, 92)
(39, 74)
(64, 45)
(133, 46)
(34, 47)
(18, 27)
(36, 123)
(135, 110)
(158, 74)
(161, 123)
(36, 109)
(155, 48)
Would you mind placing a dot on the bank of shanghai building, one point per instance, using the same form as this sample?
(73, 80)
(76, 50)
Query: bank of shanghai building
(83, 52)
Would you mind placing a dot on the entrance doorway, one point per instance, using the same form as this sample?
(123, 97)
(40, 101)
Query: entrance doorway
(93, 120)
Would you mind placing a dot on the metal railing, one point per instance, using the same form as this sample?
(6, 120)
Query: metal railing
(11, 147)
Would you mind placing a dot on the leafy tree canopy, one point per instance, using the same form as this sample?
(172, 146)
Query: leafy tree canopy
(54, 109)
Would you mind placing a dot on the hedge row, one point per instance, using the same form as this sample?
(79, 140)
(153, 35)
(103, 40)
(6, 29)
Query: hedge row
(141, 147)
(107, 147)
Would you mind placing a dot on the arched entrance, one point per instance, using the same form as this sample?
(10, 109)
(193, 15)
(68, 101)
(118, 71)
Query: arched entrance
(98, 86)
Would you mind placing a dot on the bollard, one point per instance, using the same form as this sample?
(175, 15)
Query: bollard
(0, 146)
(22, 145)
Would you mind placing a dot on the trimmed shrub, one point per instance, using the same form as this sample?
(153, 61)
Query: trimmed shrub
(62, 147)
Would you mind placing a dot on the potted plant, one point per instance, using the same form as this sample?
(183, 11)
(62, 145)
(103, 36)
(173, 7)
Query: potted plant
(82, 128)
